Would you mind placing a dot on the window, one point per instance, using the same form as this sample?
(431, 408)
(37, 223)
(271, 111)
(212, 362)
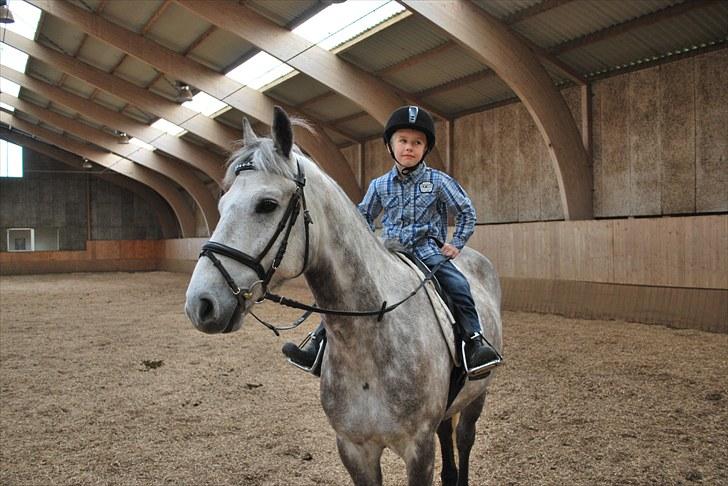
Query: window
(11, 159)
(21, 239)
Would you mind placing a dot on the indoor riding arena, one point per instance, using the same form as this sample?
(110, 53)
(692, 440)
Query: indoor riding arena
(591, 137)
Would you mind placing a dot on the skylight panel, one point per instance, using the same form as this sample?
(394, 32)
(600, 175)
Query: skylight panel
(11, 159)
(259, 70)
(13, 58)
(169, 127)
(329, 28)
(341, 22)
(7, 107)
(26, 19)
(142, 144)
(7, 86)
(205, 104)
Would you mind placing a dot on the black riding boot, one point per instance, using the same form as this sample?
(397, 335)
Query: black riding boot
(479, 356)
(308, 355)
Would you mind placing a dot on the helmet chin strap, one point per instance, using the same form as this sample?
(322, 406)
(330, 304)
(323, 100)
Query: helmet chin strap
(402, 169)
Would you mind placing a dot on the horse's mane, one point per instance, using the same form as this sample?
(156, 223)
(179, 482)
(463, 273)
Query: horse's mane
(262, 154)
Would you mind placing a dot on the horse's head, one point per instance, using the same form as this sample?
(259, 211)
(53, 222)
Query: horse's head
(262, 217)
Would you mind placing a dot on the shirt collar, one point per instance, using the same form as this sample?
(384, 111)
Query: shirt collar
(412, 176)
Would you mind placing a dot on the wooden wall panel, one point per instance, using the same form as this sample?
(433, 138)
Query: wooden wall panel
(351, 154)
(528, 165)
(668, 252)
(644, 142)
(677, 130)
(711, 79)
(612, 170)
(507, 177)
(377, 161)
(475, 161)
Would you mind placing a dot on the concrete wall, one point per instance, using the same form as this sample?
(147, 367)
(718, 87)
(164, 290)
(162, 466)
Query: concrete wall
(50, 198)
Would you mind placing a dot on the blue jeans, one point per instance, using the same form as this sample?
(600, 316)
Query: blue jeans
(457, 288)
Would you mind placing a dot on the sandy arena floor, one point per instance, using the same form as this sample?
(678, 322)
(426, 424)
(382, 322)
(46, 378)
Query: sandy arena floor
(103, 381)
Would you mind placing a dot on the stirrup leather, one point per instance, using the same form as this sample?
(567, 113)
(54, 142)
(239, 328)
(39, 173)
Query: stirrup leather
(315, 368)
(483, 370)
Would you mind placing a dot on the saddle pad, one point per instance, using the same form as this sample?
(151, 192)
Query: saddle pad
(444, 317)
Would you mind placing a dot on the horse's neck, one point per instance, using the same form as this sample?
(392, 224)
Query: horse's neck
(350, 268)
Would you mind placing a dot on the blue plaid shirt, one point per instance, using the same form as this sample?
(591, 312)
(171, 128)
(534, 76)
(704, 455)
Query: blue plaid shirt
(415, 209)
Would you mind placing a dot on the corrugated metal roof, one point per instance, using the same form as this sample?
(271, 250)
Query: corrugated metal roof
(503, 8)
(284, 12)
(297, 89)
(400, 41)
(445, 67)
(696, 25)
(177, 28)
(109, 101)
(59, 35)
(136, 71)
(220, 50)
(43, 71)
(130, 18)
(333, 108)
(576, 19)
(99, 54)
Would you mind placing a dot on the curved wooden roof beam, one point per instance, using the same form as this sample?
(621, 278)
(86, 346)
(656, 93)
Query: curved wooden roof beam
(496, 46)
(165, 216)
(247, 100)
(373, 95)
(183, 212)
(181, 175)
(209, 163)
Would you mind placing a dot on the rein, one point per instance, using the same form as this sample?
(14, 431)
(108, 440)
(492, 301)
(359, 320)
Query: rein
(297, 201)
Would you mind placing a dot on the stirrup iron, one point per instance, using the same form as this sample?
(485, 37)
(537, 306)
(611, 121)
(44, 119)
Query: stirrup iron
(482, 371)
(315, 368)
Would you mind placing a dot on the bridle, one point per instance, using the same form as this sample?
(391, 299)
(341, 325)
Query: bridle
(211, 248)
(297, 201)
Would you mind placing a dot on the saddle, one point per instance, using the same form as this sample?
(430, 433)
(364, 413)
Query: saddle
(441, 304)
(444, 311)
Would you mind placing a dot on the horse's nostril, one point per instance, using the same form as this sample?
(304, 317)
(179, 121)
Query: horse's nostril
(205, 310)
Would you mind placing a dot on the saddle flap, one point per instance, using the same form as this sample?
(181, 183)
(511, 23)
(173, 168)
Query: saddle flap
(442, 312)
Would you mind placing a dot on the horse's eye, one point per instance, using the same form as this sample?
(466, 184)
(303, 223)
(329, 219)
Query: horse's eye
(266, 206)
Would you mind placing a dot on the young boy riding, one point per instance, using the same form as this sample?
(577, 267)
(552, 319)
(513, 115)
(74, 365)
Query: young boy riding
(416, 200)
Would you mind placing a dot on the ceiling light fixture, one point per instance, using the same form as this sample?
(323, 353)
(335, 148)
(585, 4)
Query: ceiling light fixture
(87, 164)
(184, 92)
(123, 137)
(6, 16)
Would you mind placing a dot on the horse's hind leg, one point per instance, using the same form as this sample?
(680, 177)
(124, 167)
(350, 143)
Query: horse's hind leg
(362, 461)
(466, 436)
(449, 474)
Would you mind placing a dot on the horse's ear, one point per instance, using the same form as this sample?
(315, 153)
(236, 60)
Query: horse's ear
(282, 131)
(249, 135)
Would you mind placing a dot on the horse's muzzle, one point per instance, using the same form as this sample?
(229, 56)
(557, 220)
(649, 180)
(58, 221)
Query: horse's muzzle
(211, 316)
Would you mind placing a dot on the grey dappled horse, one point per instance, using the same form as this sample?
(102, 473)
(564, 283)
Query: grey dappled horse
(383, 383)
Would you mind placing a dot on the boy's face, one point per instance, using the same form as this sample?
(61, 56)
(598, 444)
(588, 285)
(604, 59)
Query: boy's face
(408, 146)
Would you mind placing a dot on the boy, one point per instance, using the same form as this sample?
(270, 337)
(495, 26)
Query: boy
(416, 200)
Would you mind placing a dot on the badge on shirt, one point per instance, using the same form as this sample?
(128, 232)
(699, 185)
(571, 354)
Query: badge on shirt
(426, 186)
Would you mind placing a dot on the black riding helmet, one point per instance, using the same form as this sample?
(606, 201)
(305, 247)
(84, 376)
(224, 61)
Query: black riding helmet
(412, 117)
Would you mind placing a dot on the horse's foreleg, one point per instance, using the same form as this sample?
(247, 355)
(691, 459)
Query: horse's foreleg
(420, 460)
(466, 436)
(362, 461)
(449, 474)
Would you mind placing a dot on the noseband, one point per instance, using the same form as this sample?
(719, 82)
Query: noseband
(211, 248)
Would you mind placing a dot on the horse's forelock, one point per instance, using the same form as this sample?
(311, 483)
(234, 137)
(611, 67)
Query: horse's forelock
(263, 156)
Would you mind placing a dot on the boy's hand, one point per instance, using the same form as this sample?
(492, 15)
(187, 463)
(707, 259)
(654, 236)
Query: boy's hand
(450, 250)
